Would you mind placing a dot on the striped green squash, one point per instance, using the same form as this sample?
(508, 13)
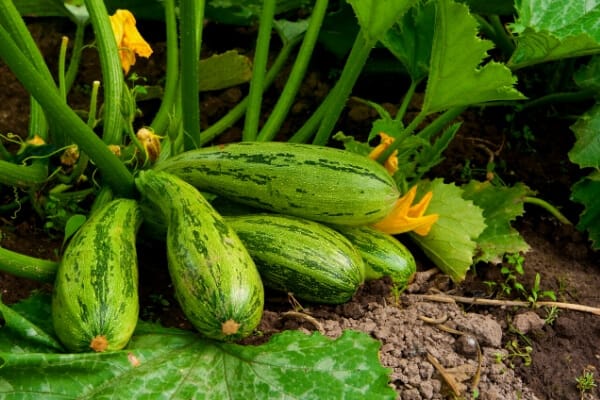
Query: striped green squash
(302, 257)
(314, 182)
(95, 298)
(216, 281)
(383, 254)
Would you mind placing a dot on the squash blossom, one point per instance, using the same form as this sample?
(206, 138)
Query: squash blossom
(129, 40)
(406, 217)
(391, 164)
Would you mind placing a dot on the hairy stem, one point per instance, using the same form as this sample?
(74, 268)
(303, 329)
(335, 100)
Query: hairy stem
(112, 75)
(27, 267)
(191, 14)
(259, 70)
(116, 174)
(286, 99)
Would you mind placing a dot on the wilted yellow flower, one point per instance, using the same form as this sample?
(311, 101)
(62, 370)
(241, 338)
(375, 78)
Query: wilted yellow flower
(115, 149)
(36, 140)
(129, 40)
(406, 217)
(391, 164)
(70, 156)
(151, 143)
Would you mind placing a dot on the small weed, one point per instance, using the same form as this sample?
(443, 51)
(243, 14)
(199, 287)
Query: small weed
(512, 270)
(536, 294)
(552, 315)
(586, 381)
(518, 350)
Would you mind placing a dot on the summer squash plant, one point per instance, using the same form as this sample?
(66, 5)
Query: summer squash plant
(444, 48)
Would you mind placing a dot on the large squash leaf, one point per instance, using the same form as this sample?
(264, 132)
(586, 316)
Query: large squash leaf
(586, 151)
(451, 243)
(162, 363)
(455, 75)
(587, 192)
(553, 29)
(501, 205)
(375, 17)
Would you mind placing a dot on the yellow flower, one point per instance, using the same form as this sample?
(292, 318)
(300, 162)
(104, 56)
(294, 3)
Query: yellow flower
(129, 40)
(151, 143)
(391, 164)
(406, 217)
(36, 140)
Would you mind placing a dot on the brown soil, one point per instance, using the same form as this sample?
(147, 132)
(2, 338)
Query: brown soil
(413, 330)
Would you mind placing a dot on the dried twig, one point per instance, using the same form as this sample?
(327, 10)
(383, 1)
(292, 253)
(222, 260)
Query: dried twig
(305, 317)
(447, 298)
(448, 378)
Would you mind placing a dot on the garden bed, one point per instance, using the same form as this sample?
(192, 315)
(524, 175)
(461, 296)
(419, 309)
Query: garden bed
(541, 363)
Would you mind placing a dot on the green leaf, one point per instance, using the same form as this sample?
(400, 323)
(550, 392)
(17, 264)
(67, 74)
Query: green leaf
(223, 70)
(487, 7)
(588, 76)
(410, 40)
(456, 77)
(586, 151)
(72, 225)
(245, 12)
(587, 192)
(42, 8)
(550, 30)
(451, 242)
(501, 205)
(167, 363)
(375, 17)
(20, 334)
(290, 30)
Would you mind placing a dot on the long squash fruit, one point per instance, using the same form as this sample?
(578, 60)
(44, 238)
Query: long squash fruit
(314, 182)
(216, 281)
(302, 257)
(95, 298)
(383, 254)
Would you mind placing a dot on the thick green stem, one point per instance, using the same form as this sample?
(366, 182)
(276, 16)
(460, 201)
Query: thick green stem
(62, 56)
(167, 105)
(440, 122)
(191, 14)
(11, 20)
(563, 97)
(502, 39)
(27, 267)
(115, 173)
(259, 70)
(427, 132)
(73, 68)
(406, 100)
(336, 100)
(112, 74)
(309, 128)
(286, 99)
(238, 111)
(22, 176)
(548, 207)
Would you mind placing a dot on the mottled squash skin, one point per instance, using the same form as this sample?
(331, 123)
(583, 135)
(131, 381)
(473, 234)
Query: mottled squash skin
(313, 182)
(383, 254)
(302, 257)
(95, 298)
(216, 281)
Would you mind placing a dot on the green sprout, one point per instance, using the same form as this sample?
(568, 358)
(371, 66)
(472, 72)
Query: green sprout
(585, 382)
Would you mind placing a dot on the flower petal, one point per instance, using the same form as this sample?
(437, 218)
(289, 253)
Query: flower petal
(405, 218)
(129, 40)
(391, 164)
